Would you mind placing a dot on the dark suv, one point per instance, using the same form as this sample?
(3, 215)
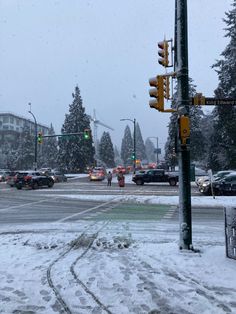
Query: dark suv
(227, 185)
(32, 179)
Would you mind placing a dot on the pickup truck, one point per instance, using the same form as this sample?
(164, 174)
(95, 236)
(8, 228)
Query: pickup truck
(155, 175)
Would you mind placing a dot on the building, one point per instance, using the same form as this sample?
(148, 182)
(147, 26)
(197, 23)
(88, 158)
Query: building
(11, 126)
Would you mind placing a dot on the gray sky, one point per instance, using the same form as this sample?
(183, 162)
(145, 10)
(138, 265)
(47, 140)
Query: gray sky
(108, 48)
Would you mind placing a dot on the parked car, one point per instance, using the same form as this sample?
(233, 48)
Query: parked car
(58, 176)
(10, 178)
(32, 179)
(97, 175)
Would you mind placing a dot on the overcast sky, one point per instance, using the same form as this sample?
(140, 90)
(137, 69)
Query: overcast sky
(108, 48)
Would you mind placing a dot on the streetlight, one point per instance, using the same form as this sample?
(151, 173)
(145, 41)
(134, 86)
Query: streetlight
(36, 135)
(134, 148)
(157, 149)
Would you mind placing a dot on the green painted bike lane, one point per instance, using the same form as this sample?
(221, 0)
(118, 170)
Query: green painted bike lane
(131, 212)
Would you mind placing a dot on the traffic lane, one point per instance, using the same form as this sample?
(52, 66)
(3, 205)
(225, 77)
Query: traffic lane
(206, 214)
(101, 188)
(48, 210)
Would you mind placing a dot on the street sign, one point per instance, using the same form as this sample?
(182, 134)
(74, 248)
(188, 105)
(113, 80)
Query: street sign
(157, 150)
(210, 101)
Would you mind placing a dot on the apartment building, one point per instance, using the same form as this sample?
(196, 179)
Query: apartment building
(11, 126)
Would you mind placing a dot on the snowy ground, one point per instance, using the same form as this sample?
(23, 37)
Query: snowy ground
(116, 267)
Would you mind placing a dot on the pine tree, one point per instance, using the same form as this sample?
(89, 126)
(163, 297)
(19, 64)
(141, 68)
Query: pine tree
(150, 148)
(106, 151)
(48, 151)
(140, 147)
(118, 160)
(127, 147)
(222, 153)
(26, 150)
(75, 152)
(197, 139)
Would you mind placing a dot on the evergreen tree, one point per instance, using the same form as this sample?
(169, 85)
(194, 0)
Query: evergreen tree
(118, 160)
(48, 151)
(106, 151)
(197, 139)
(75, 152)
(26, 151)
(140, 147)
(222, 153)
(127, 147)
(150, 148)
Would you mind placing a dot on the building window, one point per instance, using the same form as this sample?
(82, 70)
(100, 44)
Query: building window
(12, 120)
(5, 119)
(5, 127)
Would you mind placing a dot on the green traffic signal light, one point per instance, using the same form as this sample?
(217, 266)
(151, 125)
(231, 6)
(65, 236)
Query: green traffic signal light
(40, 138)
(87, 134)
(133, 156)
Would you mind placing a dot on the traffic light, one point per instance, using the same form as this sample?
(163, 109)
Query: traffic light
(87, 134)
(166, 87)
(163, 53)
(133, 157)
(184, 129)
(40, 138)
(157, 92)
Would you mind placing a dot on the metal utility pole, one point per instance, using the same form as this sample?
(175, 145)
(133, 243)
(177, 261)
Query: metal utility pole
(181, 68)
(36, 136)
(134, 161)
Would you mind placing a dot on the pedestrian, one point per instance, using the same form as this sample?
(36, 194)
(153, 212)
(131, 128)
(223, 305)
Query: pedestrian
(109, 178)
(121, 179)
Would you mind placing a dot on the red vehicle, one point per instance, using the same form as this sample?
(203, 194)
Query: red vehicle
(97, 175)
(119, 169)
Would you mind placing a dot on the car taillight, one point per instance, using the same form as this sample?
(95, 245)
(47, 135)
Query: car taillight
(28, 178)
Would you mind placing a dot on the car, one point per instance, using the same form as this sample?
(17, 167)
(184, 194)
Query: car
(10, 178)
(97, 175)
(45, 171)
(155, 175)
(32, 179)
(204, 184)
(225, 186)
(58, 176)
(3, 175)
(102, 169)
(119, 169)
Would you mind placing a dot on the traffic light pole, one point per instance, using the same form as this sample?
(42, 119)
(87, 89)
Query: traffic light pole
(181, 67)
(36, 138)
(134, 121)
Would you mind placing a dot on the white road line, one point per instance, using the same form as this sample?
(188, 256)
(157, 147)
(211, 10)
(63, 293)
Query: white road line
(85, 211)
(18, 206)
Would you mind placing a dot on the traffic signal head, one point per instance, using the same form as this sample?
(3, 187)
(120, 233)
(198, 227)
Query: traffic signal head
(87, 134)
(40, 138)
(157, 92)
(133, 157)
(163, 53)
(166, 87)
